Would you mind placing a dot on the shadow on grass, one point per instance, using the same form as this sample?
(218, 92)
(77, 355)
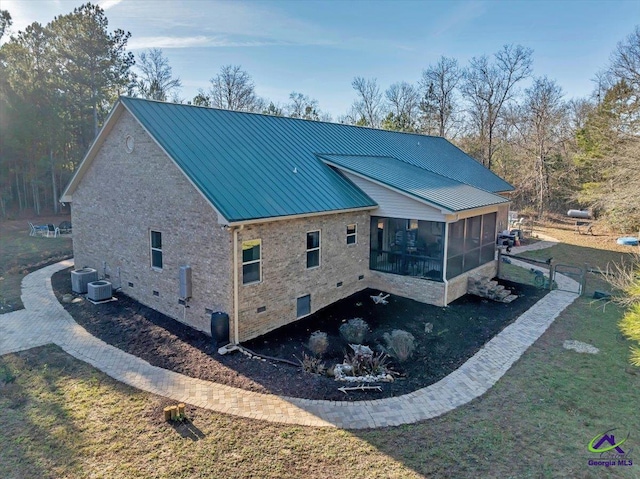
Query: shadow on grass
(38, 431)
(188, 430)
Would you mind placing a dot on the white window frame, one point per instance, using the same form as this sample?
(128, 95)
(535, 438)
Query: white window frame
(309, 250)
(353, 235)
(254, 261)
(152, 249)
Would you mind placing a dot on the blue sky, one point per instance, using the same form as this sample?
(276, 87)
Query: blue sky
(317, 47)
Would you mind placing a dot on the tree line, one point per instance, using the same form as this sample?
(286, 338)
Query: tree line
(58, 82)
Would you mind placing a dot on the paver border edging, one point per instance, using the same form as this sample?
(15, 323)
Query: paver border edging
(44, 321)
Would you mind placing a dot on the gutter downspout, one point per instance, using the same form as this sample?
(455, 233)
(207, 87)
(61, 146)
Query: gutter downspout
(236, 314)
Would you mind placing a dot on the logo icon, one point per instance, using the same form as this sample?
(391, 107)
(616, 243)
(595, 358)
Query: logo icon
(606, 442)
(609, 451)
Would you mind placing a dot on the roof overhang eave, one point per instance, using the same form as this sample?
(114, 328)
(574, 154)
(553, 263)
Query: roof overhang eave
(478, 210)
(271, 219)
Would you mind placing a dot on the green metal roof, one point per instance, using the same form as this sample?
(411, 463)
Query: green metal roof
(436, 189)
(253, 166)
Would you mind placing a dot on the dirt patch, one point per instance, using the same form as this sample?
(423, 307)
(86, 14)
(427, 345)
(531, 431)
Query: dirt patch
(601, 237)
(459, 330)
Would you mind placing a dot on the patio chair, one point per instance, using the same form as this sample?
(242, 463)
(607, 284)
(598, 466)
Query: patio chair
(52, 231)
(65, 227)
(36, 230)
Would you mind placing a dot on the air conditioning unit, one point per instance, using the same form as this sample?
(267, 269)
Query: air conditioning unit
(99, 290)
(80, 278)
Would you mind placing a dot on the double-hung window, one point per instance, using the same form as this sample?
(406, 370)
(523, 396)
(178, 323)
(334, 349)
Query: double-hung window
(156, 249)
(313, 249)
(251, 261)
(352, 234)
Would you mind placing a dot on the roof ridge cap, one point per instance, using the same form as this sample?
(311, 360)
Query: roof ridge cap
(205, 107)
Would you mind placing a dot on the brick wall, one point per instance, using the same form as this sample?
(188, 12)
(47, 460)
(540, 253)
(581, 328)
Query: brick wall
(125, 195)
(285, 276)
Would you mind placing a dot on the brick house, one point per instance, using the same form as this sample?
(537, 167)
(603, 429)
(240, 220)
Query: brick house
(276, 218)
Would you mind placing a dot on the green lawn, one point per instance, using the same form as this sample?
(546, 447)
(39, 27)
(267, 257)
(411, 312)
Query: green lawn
(21, 254)
(64, 419)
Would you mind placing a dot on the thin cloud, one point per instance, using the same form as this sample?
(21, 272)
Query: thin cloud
(107, 4)
(205, 41)
(460, 17)
(229, 24)
(168, 42)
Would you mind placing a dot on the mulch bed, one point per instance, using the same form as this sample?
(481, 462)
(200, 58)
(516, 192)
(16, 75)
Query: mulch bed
(459, 331)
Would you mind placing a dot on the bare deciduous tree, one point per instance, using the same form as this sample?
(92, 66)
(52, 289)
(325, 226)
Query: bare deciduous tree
(438, 84)
(543, 130)
(301, 106)
(233, 89)
(368, 108)
(579, 110)
(155, 80)
(625, 61)
(403, 100)
(488, 86)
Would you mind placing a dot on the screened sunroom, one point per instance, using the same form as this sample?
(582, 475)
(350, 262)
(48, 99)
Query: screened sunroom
(416, 248)
(407, 247)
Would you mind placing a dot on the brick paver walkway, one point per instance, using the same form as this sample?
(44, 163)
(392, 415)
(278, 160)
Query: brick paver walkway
(45, 321)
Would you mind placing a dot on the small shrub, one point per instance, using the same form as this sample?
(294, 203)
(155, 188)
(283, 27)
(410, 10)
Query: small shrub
(312, 364)
(400, 344)
(365, 362)
(318, 343)
(626, 280)
(6, 375)
(354, 330)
